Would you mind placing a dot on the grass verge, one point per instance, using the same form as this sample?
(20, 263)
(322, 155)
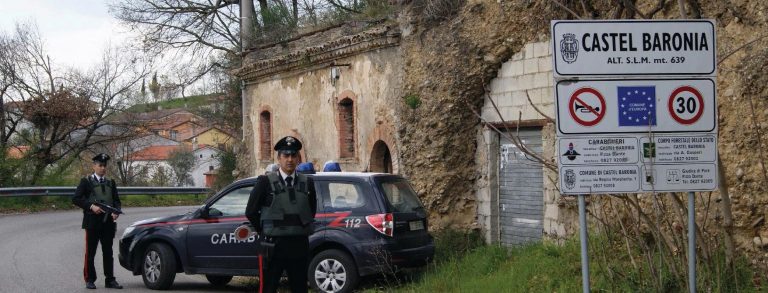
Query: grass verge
(547, 267)
(21, 205)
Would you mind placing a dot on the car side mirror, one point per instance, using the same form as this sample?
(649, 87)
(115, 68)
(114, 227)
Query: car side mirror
(213, 212)
(204, 212)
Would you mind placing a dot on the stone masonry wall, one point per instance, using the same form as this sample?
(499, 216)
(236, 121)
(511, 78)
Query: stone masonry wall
(305, 105)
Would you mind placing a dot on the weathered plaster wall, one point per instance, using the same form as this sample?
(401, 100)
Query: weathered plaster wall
(304, 104)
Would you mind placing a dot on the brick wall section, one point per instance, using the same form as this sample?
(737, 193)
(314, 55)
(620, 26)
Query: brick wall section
(265, 135)
(346, 128)
(527, 73)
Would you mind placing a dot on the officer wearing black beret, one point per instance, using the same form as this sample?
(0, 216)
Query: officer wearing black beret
(99, 226)
(281, 208)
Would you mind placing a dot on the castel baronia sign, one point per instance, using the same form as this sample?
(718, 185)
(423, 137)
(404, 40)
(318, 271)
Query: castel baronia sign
(636, 107)
(594, 48)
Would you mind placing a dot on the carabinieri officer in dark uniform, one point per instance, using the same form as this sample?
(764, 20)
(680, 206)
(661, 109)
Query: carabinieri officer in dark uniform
(282, 207)
(99, 227)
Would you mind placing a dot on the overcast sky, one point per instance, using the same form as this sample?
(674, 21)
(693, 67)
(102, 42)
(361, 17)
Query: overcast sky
(76, 32)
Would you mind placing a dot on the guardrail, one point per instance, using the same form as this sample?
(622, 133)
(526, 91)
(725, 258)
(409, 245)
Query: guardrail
(69, 191)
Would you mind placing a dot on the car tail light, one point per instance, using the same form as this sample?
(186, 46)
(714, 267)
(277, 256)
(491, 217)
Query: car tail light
(384, 223)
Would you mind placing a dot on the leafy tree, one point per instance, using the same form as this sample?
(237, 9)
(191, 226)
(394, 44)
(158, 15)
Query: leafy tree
(182, 161)
(8, 168)
(162, 177)
(227, 163)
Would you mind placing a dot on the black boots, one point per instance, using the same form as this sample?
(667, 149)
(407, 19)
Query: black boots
(113, 284)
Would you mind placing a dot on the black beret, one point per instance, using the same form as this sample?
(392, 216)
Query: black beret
(288, 145)
(101, 158)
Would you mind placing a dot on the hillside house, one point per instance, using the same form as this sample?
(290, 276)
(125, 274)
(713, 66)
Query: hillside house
(206, 163)
(151, 162)
(211, 136)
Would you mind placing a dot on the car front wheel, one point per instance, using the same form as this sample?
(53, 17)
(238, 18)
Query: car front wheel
(333, 271)
(158, 269)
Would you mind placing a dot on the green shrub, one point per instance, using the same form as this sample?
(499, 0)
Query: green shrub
(8, 168)
(451, 243)
(413, 101)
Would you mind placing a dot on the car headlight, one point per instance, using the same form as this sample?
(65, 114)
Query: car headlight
(128, 230)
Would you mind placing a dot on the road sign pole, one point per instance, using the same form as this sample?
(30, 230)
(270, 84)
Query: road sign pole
(691, 244)
(584, 247)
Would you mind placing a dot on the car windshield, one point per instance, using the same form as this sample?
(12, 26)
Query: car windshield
(400, 195)
(233, 203)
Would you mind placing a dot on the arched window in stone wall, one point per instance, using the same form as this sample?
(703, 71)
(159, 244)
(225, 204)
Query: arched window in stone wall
(381, 158)
(346, 122)
(265, 135)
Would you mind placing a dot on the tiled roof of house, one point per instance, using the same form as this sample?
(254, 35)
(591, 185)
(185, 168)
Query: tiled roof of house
(17, 152)
(154, 153)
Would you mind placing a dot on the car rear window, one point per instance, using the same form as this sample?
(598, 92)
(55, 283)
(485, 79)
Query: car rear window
(400, 195)
(339, 196)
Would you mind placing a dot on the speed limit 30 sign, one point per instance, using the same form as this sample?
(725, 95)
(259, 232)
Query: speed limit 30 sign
(686, 105)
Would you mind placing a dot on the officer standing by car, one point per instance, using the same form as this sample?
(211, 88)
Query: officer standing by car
(99, 226)
(281, 208)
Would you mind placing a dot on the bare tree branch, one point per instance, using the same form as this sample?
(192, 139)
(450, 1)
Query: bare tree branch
(561, 5)
(723, 58)
(182, 24)
(549, 119)
(342, 7)
(659, 6)
(632, 7)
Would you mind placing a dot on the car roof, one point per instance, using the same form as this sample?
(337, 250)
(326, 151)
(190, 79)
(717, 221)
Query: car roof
(348, 174)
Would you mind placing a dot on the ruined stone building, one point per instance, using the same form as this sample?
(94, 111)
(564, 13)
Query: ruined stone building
(333, 92)
(339, 97)
(440, 99)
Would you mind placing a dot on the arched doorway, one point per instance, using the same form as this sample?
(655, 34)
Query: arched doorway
(381, 158)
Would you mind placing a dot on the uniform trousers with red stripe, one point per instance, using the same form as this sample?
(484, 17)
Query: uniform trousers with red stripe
(105, 235)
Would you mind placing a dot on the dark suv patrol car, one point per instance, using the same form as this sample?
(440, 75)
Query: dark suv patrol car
(366, 223)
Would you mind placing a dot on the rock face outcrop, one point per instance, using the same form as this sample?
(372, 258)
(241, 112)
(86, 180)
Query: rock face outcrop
(450, 58)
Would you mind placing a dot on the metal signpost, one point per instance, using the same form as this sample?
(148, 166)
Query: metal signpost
(653, 129)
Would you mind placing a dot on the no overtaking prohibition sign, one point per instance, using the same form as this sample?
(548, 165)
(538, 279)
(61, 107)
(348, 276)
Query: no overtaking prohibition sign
(685, 105)
(587, 106)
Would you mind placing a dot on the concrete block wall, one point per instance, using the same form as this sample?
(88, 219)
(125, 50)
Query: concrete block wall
(527, 74)
(486, 186)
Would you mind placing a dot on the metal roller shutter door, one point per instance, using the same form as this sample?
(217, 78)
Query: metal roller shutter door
(521, 199)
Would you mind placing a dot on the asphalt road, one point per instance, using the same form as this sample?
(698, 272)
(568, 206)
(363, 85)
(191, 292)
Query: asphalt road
(44, 252)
